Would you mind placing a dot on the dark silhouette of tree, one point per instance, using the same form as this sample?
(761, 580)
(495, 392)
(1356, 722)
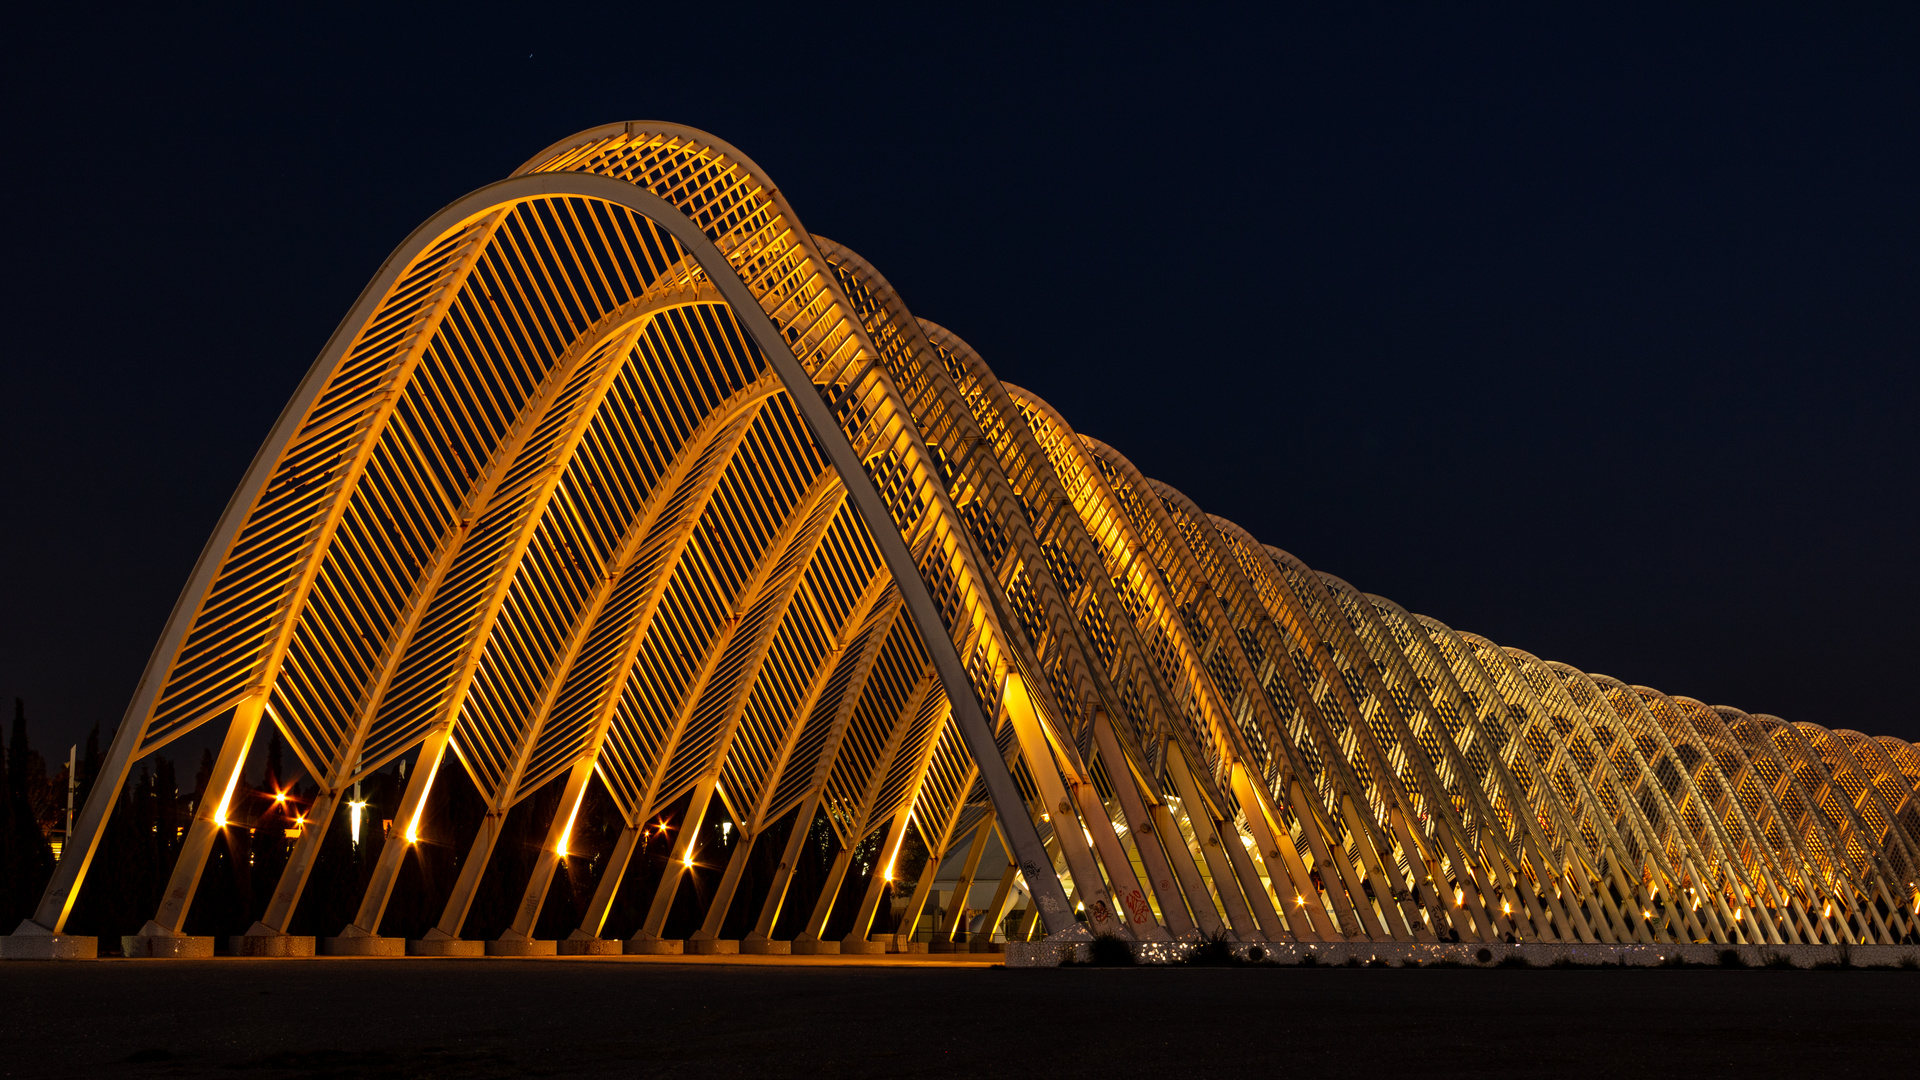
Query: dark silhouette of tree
(28, 854)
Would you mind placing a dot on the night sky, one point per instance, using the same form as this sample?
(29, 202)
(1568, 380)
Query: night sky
(1596, 336)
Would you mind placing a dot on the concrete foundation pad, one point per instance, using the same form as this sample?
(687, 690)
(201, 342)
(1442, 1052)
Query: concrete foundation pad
(172, 947)
(655, 947)
(713, 947)
(912, 947)
(49, 947)
(986, 946)
(278, 945)
(856, 947)
(589, 947)
(751, 947)
(363, 945)
(943, 945)
(523, 947)
(445, 947)
(815, 948)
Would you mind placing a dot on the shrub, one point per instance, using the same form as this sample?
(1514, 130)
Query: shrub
(1731, 958)
(1779, 961)
(1110, 950)
(1483, 954)
(1213, 950)
(1514, 960)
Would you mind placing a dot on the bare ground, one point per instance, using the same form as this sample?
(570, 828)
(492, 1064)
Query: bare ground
(269, 1019)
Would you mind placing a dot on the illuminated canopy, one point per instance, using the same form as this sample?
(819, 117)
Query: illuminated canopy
(614, 471)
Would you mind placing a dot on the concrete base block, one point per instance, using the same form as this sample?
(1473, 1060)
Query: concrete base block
(593, 946)
(363, 945)
(986, 946)
(816, 948)
(655, 947)
(943, 945)
(171, 947)
(713, 947)
(49, 947)
(277, 945)
(445, 947)
(523, 947)
(912, 947)
(856, 947)
(754, 947)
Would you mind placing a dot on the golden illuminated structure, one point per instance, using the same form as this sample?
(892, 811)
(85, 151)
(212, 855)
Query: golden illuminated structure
(616, 475)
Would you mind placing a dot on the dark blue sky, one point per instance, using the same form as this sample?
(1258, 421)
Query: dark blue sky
(1595, 334)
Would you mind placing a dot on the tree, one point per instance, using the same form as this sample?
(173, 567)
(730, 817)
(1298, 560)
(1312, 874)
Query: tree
(29, 857)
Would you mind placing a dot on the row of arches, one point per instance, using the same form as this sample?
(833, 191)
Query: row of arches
(616, 478)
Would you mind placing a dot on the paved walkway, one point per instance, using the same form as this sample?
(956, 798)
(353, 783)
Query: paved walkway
(823, 1018)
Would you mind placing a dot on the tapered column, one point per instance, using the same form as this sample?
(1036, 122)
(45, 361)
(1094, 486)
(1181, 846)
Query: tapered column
(1130, 900)
(878, 881)
(1206, 912)
(679, 862)
(373, 904)
(208, 820)
(783, 874)
(829, 892)
(1002, 901)
(723, 896)
(1021, 709)
(1282, 858)
(968, 869)
(1384, 917)
(1258, 898)
(559, 830)
(917, 903)
(1173, 907)
(1424, 897)
(595, 918)
(1225, 881)
(293, 878)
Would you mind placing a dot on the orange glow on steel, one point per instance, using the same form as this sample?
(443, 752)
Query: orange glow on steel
(413, 827)
(567, 833)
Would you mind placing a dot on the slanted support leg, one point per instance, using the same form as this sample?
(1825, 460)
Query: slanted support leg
(808, 940)
(608, 886)
(783, 874)
(856, 939)
(1161, 877)
(677, 865)
(1225, 882)
(161, 936)
(527, 915)
(373, 903)
(964, 886)
(1282, 858)
(707, 938)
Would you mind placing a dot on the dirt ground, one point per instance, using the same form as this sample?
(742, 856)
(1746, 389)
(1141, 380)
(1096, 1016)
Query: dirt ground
(654, 1018)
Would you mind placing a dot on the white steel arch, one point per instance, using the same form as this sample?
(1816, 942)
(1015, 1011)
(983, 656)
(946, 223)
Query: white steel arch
(614, 474)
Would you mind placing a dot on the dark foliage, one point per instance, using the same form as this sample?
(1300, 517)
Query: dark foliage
(1213, 950)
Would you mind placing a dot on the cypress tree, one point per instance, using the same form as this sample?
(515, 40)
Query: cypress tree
(31, 861)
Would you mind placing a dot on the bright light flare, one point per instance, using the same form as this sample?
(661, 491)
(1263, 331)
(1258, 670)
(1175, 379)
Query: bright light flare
(354, 810)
